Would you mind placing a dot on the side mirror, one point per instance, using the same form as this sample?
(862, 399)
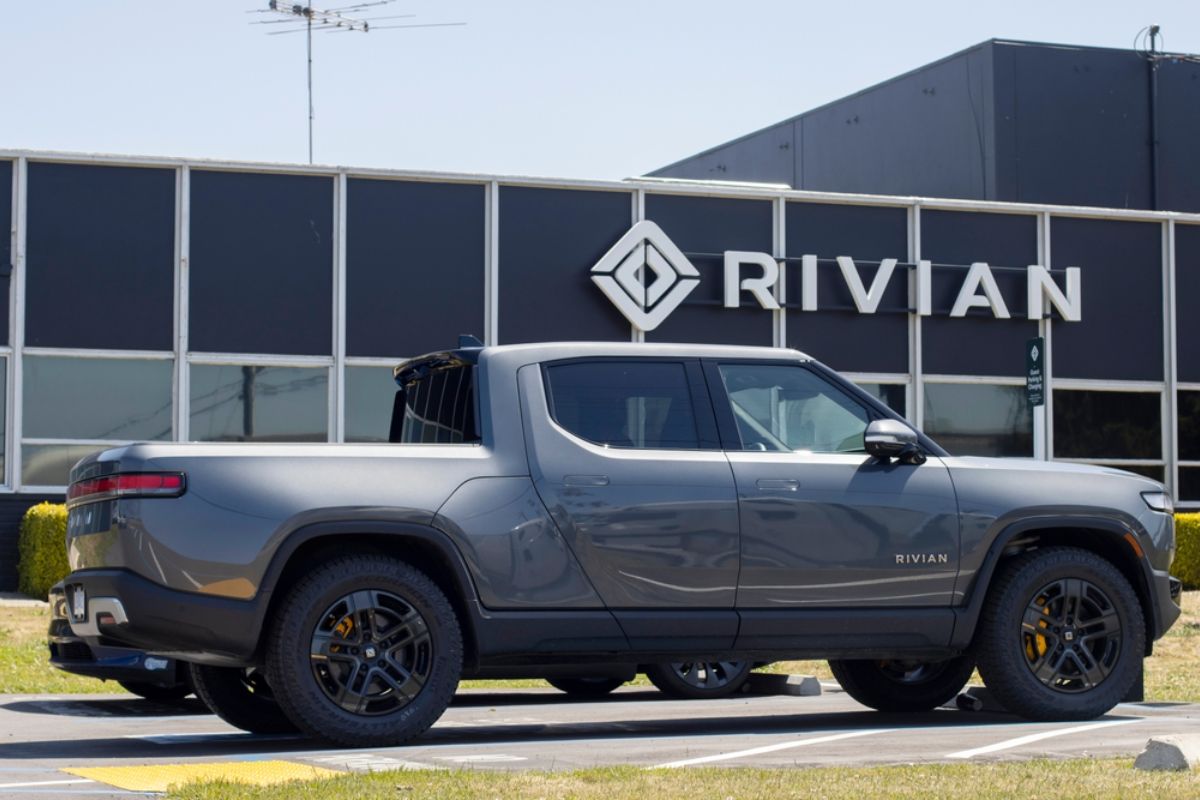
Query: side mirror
(886, 439)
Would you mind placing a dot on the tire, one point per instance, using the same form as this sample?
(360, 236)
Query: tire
(903, 686)
(700, 680)
(241, 697)
(586, 687)
(156, 692)
(365, 651)
(1061, 636)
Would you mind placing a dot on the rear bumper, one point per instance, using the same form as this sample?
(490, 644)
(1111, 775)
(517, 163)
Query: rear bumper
(130, 610)
(71, 654)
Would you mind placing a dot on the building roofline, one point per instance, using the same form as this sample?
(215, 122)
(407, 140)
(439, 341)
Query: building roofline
(733, 190)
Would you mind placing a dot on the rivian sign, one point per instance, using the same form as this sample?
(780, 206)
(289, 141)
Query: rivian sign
(647, 277)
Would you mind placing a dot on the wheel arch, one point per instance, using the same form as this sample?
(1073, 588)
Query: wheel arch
(1107, 538)
(424, 548)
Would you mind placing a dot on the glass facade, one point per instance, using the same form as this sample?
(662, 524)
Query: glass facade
(979, 419)
(162, 301)
(249, 403)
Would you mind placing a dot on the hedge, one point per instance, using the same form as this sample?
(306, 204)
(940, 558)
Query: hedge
(1187, 554)
(42, 549)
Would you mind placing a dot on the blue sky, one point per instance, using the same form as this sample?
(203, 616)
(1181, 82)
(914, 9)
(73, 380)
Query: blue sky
(534, 87)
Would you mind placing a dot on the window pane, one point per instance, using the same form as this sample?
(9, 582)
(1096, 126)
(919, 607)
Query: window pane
(790, 408)
(893, 395)
(1189, 483)
(101, 257)
(1090, 424)
(1189, 426)
(974, 419)
(3, 417)
(370, 392)
(97, 398)
(643, 405)
(245, 403)
(50, 464)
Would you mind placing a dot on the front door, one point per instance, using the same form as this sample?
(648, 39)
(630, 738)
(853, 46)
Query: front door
(824, 525)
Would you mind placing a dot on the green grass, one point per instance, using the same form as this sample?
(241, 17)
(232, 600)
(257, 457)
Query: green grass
(1025, 780)
(25, 660)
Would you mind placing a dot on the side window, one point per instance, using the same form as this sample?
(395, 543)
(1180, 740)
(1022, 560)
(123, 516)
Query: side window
(782, 407)
(639, 404)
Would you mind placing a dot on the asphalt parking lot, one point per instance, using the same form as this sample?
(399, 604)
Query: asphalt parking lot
(45, 737)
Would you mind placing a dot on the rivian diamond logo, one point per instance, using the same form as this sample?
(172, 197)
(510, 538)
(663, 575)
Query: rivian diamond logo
(645, 275)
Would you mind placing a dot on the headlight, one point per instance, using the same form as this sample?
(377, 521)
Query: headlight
(1159, 501)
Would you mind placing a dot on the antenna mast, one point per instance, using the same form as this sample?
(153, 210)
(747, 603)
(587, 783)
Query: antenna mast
(333, 20)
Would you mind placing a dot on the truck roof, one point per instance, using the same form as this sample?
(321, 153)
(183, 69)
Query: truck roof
(549, 351)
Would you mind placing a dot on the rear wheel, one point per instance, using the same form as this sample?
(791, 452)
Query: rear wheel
(902, 685)
(586, 687)
(1062, 635)
(241, 697)
(700, 680)
(365, 651)
(156, 692)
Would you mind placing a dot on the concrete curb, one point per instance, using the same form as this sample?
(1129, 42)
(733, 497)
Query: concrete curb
(15, 600)
(1180, 752)
(794, 685)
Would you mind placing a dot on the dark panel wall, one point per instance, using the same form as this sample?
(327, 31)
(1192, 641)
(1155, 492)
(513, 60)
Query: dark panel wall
(6, 183)
(1120, 336)
(1076, 126)
(12, 508)
(977, 344)
(1178, 133)
(100, 257)
(261, 263)
(414, 266)
(927, 132)
(1187, 295)
(704, 228)
(549, 241)
(840, 336)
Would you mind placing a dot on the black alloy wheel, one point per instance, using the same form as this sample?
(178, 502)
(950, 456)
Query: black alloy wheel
(364, 651)
(1071, 635)
(1061, 636)
(371, 652)
(696, 680)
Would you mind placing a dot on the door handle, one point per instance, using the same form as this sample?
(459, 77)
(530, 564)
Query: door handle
(585, 480)
(778, 484)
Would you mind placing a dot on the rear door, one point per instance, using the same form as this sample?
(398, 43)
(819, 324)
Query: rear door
(824, 525)
(625, 455)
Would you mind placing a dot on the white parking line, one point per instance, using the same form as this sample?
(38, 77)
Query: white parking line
(1008, 744)
(27, 784)
(769, 748)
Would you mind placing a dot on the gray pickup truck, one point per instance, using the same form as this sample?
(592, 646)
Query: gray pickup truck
(585, 507)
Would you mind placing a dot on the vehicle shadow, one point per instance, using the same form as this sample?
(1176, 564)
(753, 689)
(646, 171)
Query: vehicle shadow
(117, 707)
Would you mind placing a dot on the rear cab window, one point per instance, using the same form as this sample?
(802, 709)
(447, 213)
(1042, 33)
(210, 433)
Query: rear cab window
(436, 404)
(632, 403)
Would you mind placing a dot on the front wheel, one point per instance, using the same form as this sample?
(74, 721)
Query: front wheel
(365, 651)
(1062, 635)
(700, 680)
(903, 685)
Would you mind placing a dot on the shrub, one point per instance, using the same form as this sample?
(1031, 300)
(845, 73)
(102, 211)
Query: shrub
(1187, 553)
(42, 549)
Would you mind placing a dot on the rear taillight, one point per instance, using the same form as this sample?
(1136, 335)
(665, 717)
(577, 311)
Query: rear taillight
(130, 484)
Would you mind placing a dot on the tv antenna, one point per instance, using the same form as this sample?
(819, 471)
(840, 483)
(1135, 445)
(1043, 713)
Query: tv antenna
(304, 19)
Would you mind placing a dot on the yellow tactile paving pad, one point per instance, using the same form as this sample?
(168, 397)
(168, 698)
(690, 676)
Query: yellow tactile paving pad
(159, 777)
